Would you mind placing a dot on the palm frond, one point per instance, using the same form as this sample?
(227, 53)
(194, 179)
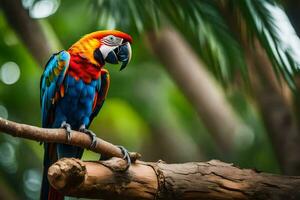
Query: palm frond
(269, 23)
(203, 26)
(198, 20)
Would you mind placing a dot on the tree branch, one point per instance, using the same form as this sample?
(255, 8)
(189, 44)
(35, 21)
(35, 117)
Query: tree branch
(59, 136)
(212, 180)
(207, 180)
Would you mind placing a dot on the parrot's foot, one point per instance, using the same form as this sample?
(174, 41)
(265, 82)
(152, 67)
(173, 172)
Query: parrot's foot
(126, 156)
(67, 126)
(91, 134)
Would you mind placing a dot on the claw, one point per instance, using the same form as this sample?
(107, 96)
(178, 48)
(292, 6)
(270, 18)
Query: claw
(126, 156)
(67, 127)
(91, 134)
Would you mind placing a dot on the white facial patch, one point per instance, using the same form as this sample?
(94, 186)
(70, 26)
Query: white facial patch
(106, 49)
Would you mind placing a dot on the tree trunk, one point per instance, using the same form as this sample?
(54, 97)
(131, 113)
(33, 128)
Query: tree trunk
(276, 113)
(292, 9)
(212, 180)
(29, 30)
(198, 85)
(273, 99)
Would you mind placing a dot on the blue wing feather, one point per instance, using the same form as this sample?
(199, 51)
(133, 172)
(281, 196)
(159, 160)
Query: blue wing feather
(102, 89)
(51, 81)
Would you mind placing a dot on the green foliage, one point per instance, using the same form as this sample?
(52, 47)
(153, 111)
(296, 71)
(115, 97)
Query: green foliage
(143, 97)
(200, 22)
(125, 125)
(267, 21)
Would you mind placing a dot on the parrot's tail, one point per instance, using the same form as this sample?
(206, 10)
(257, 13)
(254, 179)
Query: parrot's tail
(48, 192)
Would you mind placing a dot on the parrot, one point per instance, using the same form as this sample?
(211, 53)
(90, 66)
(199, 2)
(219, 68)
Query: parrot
(73, 88)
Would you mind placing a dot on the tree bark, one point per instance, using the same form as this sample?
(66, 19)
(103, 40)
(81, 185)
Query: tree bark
(27, 29)
(198, 86)
(212, 180)
(59, 136)
(106, 179)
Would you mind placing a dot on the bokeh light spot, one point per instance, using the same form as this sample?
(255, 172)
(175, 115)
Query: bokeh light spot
(9, 73)
(8, 158)
(3, 112)
(43, 8)
(27, 3)
(32, 183)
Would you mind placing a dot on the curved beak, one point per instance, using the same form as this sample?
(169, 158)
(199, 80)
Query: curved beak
(121, 54)
(124, 54)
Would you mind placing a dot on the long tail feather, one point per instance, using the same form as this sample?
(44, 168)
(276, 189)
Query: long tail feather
(47, 192)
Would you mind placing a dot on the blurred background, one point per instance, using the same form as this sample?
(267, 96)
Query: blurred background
(209, 79)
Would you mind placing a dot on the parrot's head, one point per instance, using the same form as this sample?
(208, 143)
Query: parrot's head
(109, 46)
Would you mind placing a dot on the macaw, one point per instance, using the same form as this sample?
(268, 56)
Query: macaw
(73, 88)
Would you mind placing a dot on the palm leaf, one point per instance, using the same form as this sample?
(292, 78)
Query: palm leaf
(269, 23)
(198, 20)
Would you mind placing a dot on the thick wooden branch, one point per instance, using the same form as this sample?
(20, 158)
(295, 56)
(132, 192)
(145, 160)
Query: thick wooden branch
(59, 136)
(204, 180)
(212, 180)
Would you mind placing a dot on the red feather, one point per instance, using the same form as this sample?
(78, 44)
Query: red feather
(80, 68)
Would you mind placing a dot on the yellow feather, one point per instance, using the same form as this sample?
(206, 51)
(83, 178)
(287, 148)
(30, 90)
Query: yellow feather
(51, 76)
(85, 48)
(56, 71)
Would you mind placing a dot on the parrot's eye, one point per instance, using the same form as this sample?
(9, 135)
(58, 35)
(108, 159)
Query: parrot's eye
(112, 40)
